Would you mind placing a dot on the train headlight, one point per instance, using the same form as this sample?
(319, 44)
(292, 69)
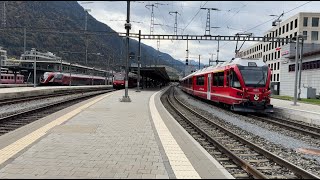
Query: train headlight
(239, 93)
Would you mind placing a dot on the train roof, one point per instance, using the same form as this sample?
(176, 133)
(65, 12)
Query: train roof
(220, 66)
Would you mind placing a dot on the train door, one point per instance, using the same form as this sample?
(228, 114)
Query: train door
(209, 87)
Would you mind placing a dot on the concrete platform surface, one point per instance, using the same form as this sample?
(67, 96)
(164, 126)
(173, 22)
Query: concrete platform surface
(302, 111)
(17, 92)
(105, 138)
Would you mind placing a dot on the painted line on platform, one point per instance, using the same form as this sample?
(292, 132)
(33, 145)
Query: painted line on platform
(180, 164)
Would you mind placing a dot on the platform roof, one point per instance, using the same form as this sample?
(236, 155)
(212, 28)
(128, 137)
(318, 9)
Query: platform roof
(155, 73)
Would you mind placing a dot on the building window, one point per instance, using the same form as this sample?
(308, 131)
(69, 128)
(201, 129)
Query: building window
(295, 23)
(291, 25)
(271, 56)
(278, 54)
(277, 77)
(314, 35)
(275, 66)
(305, 21)
(269, 46)
(272, 66)
(280, 31)
(275, 55)
(274, 77)
(315, 22)
(279, 63)
(305, 34)
(271, 77)
(287, 27)
(276, 32)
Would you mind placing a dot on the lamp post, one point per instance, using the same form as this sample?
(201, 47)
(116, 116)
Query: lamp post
(70, 74)
(85, 28)
(127, 25)
(139, 56)
(297, 39)
(34, 68)
(300, 65)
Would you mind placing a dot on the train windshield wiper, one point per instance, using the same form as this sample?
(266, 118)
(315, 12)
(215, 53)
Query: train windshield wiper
(260, 80)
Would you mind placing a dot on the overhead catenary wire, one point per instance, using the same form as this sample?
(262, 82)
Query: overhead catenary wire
(271, 19)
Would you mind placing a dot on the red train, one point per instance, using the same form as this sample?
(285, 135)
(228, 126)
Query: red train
(241, 84)
(61, 79)
(118, 81)
(9, 79)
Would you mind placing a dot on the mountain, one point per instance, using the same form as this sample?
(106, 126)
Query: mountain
(58, 27)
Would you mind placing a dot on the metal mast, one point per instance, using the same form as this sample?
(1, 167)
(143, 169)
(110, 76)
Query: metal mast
(175, 22)
(208, 20)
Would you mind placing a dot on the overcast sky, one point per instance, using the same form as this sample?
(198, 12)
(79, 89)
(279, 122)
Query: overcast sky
(233, 17)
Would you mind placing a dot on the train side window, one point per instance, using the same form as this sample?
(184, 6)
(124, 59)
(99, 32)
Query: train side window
(200, 80)
(228, 79)
(220, 78)
(234, 80)
(215, 79)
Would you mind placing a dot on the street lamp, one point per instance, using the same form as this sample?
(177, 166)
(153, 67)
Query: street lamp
(297, 39)
(85, 28)
(278, 20)
(34, 67)
(127, 26)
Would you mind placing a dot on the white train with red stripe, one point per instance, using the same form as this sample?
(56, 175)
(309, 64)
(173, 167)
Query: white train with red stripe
(241, 84)
(62, 79)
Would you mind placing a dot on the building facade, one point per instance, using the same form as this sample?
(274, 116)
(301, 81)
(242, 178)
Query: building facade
(304, 23)
(310, 74)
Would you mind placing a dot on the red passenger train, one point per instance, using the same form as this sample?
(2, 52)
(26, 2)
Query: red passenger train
(241, 84)
(118, 82)
(61, 79)
(11, 79)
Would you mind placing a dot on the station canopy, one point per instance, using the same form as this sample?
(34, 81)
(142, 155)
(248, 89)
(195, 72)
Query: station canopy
(156, 73)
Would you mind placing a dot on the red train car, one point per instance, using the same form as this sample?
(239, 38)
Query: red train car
(61, 79)
(118, 81)
(241, 84)
(10, 79)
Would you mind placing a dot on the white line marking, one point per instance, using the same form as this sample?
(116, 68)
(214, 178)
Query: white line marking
(173, 151)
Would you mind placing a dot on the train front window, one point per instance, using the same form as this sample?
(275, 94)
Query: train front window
(119, 78)
(254, 76)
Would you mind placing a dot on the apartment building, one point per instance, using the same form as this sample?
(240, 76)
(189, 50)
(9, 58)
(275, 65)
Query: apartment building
(304, 23)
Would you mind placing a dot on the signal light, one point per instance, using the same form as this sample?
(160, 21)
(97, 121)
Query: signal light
(186, 61)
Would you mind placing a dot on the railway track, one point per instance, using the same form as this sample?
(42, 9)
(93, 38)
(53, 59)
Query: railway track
(14, 121)
(291, 125)
(243, 159)
(30, 98)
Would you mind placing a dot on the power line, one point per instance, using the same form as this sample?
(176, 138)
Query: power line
(272, 19)
(194, 16)
(276, 17)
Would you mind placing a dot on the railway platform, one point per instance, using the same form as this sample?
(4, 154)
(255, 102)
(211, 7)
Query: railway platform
(22, 92)
(105, 138)
(302, 111)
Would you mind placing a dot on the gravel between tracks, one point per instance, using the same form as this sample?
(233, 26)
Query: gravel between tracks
(275, 140)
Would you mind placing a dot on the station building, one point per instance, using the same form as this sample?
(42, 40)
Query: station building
(275, 55)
